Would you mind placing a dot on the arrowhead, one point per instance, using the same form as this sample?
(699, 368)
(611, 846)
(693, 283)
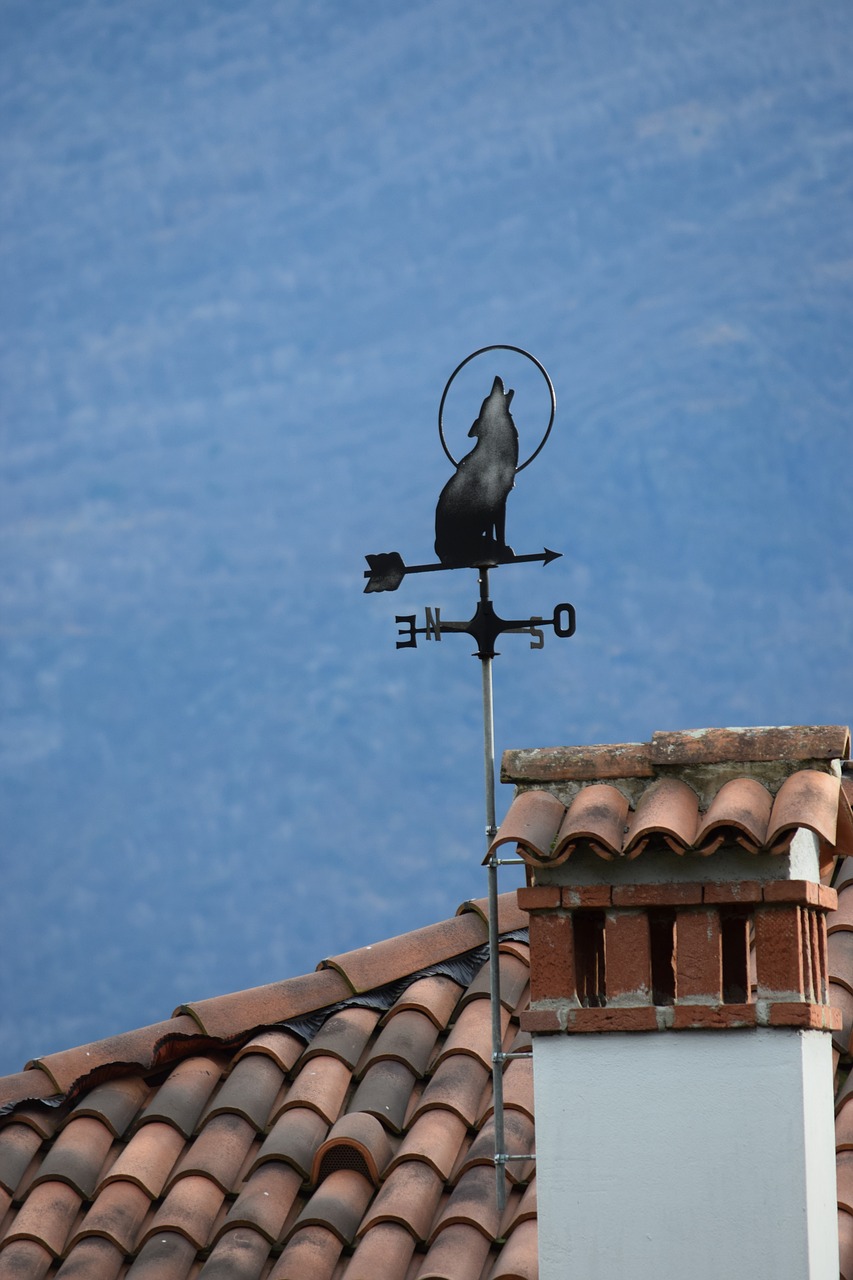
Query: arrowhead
(387, 571)
(551, 555)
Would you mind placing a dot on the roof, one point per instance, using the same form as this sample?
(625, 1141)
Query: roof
(329, 1126)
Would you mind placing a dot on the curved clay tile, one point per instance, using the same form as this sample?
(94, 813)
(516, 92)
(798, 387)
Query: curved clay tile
(190, 1209)
(510, 915)
(241, 1251)
(844, 1175)
(518, 1141)
(842, 1000)
(148, 1159)
(842, 916)
(597, 814)
(182, 1097)
(343, 1035)
(115, 1103)
(357, 1138)
(384, 1251)
(147, 1047)
(94, 1257)
(459, 1251)
(26, 1258)
(228, 1017)
(472, 1201)
(218, 1152)
(517, 1089)
(472, 1033)
(265, 1200)
(519, 1257)
(338, 1204)
(78, 1155)
(409, 1038)
(47, 1216)
(742, 805)
(521, 1207)
(117, 1215)
(20, 1143)
(27, 1086)
(668, 808)
(321, 1084)
(514, 976)
(168, 1255)
(249, 1090)
(311, 1254)
(294, 1138)
(282, 1046)
(385, 1092)
(532, 822)
(385, 962)
(409, 1197)
(456, 1085)
(434, 1139)
(840, 958)
(805, 799)
(436, 996)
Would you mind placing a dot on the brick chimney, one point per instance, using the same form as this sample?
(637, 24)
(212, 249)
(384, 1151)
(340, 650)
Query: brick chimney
(678, 1001)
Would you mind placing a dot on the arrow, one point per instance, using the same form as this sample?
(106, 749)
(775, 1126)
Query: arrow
(387, 569)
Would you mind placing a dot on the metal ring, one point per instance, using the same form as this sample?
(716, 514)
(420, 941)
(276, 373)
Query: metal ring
(499, 346)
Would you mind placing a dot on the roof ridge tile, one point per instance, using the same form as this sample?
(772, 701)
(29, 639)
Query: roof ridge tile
(374, 966)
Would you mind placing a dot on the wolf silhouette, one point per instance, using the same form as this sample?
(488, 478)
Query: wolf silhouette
(470, 519)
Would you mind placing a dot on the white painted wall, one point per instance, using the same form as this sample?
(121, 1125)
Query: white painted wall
(701, 1154)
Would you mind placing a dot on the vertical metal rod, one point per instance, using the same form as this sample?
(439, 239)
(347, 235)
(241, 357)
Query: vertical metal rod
(494, 969)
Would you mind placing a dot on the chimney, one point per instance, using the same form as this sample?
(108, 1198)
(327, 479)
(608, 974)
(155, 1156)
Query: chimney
(678, 1001)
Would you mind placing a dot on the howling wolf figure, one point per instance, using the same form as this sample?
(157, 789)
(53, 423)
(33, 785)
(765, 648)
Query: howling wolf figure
(470, 519)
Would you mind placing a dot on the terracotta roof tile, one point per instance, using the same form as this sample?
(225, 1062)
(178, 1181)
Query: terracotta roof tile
(249, 1091)
(742, 805)
(148, 1047)
(385, 962)
(240, 1254)
(460, 1251)
(78, 1155)
(148, 1159)
(228, 1017)
(218, 1152)
(312, 1254)
(510, 916)
(25, 1260)
(19, 1146)
(24, 1086)
(294, 1138)
(384, 1092)
(266, 1200)
(116, 1103)
(183, 1096)
(344, 1036)
(322, 1085)
(436, 996)
(94, 1258)
(117, 1215)
(456, 1085)
(435, 1138)
(472, 1033)
(164, 1256)
(472, 1201)
(845, 1241)
(190, 1207)
(408, 1038)
(409, 1197)
(283, 1047)
(356, 1141)
(518, 1258)
(514, 974)
(48, 1216)
(338, 1204)
(384, 1252)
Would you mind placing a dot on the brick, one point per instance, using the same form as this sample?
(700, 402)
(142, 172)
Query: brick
(744, 891)
(779, 952)
(657, 895)
(808, 1017)
(638, 1018)
(587, 895)
(715, 1017)
(627, 957)
(698, 956)
(552, 960)
(803, 892)
(541, 1021)
(539, 897)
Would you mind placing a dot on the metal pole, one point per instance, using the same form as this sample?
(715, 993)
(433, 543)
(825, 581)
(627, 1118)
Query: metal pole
(494, 970)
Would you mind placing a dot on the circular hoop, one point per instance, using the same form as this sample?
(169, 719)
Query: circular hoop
(499, 346)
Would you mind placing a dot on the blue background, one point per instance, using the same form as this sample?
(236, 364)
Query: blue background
(242, 248)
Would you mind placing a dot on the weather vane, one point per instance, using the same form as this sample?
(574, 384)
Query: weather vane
(470, 524)
(470, 533)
